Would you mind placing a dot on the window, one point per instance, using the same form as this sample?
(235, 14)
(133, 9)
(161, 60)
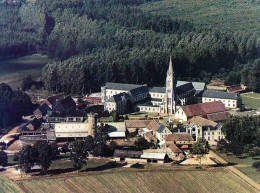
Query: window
(208, 138)
(212, 133)
(208, 133)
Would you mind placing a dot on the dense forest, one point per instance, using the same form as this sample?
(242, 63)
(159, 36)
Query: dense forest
(13, 105)
(94, 41)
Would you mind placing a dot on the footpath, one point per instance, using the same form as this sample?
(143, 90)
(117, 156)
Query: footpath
(236, 171)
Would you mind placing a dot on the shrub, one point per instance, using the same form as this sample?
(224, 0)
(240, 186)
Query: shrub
(256, 165)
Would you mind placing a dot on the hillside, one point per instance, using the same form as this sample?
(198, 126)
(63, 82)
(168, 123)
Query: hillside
(228, 15)
(130, 41)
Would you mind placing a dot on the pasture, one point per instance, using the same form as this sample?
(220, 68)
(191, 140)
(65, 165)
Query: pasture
(244, 165)
(127, 180)
(251, 100)
(219, 14)
(12, 71)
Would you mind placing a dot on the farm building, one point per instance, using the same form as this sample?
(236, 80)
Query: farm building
(128, 155)
(155, 157)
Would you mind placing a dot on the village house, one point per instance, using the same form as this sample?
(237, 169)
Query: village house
(172, 150)
(56, 104)
(162, 132)
(134, 125)
(183, 141)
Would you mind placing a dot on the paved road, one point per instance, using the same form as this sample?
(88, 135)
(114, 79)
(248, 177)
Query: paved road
(236, 171)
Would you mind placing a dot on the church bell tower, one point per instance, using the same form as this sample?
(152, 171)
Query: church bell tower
(169, 107)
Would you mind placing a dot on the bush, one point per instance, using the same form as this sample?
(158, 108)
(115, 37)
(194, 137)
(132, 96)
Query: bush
(256, 165)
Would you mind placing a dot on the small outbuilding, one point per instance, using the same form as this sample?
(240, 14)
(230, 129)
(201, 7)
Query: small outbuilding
(154, 157)
(127, 155)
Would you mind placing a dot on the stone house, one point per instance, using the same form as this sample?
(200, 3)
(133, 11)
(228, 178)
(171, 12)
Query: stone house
(162, 132)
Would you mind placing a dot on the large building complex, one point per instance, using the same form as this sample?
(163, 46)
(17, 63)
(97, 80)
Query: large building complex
(165, 100)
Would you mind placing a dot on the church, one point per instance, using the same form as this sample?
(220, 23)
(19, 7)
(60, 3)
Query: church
(165, 100)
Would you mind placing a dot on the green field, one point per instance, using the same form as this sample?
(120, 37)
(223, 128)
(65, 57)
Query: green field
(244, 165)
(6, 186)
(12, 71)
(219, 180)
(251, 100)
(230, 15)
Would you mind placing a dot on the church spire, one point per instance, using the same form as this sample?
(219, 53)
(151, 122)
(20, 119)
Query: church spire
(170, 70)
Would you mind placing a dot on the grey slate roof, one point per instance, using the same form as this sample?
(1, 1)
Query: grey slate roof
(184, 88)
(196, 85)
(157, 89)
(120, 86)
(220, 95)
(161, 129)
(155, 99)
(138, 91)
(119, 97)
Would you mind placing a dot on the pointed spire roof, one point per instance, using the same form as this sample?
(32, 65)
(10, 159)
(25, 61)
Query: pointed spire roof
(170, 70)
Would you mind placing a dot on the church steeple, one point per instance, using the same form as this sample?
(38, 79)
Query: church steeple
(170, 87)
(170, 70)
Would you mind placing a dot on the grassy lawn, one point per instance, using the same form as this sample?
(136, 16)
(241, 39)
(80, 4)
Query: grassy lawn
(12, 71)
(67, 164)
(251, 100)
(6, 186)
(219, 14)
(244, 165)
(219, 180)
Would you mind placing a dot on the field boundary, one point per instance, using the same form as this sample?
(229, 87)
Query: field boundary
(64, 176)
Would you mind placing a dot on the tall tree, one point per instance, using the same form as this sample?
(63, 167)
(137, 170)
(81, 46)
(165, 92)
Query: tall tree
(80, 152)
(200, 148)
(3, 158)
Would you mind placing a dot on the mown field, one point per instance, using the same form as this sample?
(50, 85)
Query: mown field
(12, 71)
(219, 180)
(6, 186)
(225, 14)
(251, 100)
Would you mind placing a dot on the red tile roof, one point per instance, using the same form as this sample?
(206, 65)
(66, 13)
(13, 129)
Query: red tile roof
(202, 122)
(179, 137)
(204, 108)
(234, 89)
(222, 116)
(137, 123)
(153, 125)
(174, 148)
